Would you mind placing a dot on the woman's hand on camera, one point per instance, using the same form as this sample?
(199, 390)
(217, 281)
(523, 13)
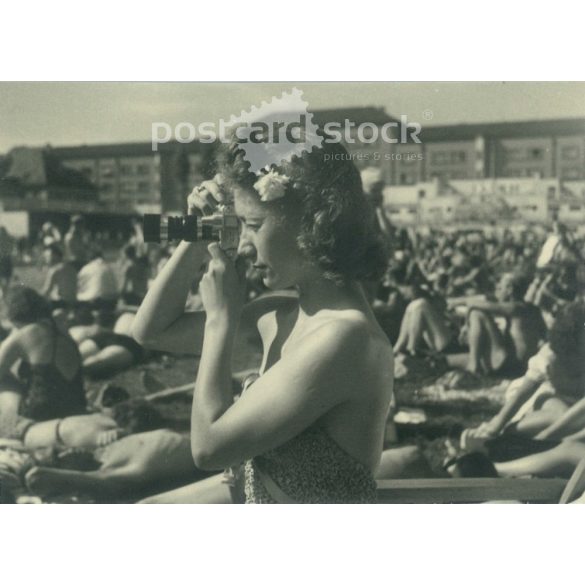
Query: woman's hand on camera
(204, 199)
(223, 286)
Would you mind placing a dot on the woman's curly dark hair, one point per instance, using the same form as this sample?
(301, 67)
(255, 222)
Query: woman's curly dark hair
(337, 223)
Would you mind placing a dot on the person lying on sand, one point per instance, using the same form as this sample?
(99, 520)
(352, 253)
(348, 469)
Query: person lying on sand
(130, 453)
(126, 468)
(108, 350)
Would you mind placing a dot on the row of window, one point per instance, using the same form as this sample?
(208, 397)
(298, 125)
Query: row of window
(511, 155)
(567, 173)
(571, 152)
(140, 187)
(452, 157)
(141, 169)
(524, 154)
(108, 170)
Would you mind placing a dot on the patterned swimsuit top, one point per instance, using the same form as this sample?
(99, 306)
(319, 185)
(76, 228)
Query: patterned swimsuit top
(311, 468)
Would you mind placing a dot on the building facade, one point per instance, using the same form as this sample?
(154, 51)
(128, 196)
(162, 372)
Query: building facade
(134, 175)
(530, 170)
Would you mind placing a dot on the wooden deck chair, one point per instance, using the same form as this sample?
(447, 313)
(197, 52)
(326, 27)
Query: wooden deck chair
(575, 486)
(469, 490)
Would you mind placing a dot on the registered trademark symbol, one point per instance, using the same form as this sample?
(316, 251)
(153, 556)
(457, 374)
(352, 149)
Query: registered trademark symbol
(428, 114)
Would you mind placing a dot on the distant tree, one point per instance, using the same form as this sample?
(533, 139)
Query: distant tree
(9, 186)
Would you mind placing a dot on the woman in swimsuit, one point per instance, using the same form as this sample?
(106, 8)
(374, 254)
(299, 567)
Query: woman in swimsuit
(105, 350)
(49, 382)
(310, 427)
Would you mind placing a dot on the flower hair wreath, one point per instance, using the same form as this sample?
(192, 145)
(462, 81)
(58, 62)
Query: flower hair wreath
(271, 186)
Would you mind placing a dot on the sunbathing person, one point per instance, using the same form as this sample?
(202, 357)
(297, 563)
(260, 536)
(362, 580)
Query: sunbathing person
(49, 383)
(136, 276)
(424, 325)
(466, 275)
(131, 452)
(492, 350)
(558, 461)
(553, 382)
(60, 285)
(115, 416)
(107, 350)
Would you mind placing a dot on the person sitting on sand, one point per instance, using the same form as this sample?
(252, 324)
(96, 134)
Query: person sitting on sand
(50, 235)
(424, 326)
(514, 456)
(50, 382)
(553, 382)
(492, 350)
(6, 264)
(136, 276)
(97, 286)
(60, 285)
(76, 242)
(466, 275)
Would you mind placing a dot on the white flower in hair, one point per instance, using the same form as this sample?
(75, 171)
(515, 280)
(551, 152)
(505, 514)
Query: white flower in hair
(271, 186)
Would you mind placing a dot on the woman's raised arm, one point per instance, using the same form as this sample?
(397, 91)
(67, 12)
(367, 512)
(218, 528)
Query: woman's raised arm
(161, 322)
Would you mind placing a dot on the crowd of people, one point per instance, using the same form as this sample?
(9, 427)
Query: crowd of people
(360, 296)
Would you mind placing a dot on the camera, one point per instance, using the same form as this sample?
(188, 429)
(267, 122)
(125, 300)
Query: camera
(222, 227)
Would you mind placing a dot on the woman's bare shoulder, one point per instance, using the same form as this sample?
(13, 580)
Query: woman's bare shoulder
(349, 330)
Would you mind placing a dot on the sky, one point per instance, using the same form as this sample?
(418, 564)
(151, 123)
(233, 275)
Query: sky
(70, 113)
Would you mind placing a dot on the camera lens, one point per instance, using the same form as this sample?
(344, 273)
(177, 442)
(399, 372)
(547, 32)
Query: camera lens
(151, 227)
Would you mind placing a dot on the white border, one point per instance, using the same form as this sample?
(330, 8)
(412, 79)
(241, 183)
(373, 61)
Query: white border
(182, 41)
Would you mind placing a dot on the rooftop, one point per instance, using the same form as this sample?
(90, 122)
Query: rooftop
(122, 149)
(523, 129)
(370, 114)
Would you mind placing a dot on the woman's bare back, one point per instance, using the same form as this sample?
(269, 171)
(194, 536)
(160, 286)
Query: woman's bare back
(43, 344)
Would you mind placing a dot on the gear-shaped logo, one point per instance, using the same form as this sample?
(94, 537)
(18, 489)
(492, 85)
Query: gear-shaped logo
(276, 131)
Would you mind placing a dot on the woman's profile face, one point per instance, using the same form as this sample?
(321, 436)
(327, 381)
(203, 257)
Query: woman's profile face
(268, 240)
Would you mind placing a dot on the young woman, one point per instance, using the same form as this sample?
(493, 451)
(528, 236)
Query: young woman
(50, 381)
(310, 427)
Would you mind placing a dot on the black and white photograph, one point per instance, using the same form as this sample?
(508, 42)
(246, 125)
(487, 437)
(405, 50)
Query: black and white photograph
(292, 293)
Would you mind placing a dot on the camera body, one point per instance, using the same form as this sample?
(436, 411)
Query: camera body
(222, 226)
